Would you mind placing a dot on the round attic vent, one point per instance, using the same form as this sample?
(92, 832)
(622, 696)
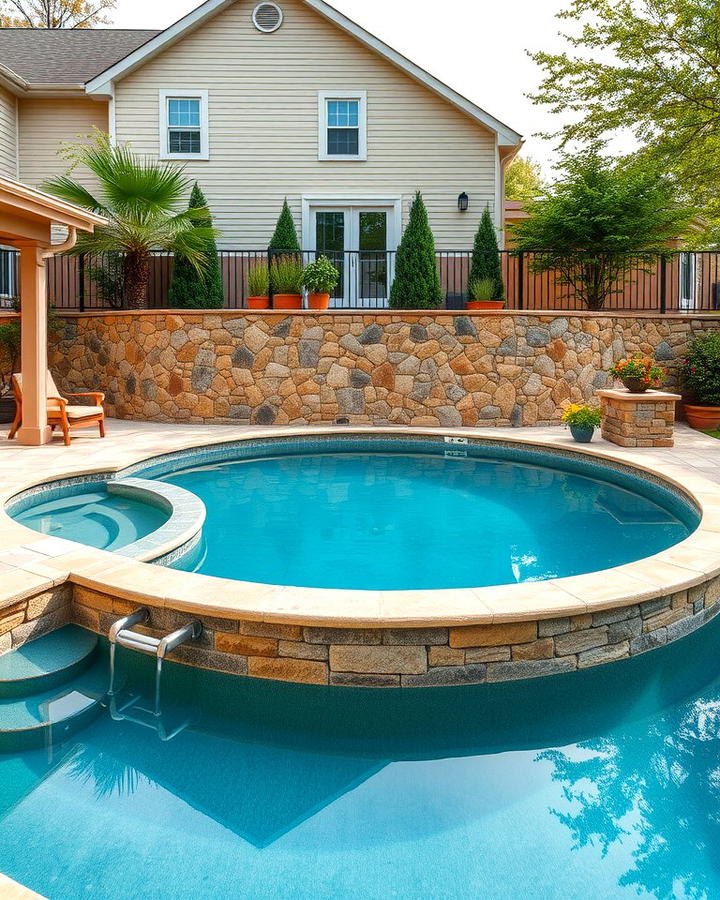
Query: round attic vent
(267, 17)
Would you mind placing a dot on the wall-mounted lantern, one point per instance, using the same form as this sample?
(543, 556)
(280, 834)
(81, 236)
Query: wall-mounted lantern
(463, 202)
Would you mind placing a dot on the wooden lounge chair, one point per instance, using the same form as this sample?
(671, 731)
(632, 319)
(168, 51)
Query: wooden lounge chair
(60, 412)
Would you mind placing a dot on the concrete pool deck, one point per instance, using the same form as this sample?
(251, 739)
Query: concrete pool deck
(363, 637)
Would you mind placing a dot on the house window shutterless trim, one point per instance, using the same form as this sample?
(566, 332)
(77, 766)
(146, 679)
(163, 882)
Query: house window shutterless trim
(184, 124)
(342, 125)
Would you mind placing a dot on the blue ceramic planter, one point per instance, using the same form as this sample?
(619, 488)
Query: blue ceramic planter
(582, 433)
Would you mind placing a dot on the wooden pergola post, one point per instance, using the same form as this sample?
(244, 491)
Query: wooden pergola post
(33, 345)
(26, 220)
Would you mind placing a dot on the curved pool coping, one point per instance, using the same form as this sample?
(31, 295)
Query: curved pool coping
(691, 562)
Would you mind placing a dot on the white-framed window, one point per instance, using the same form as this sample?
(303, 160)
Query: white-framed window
(8, 273)
(342, 118)
(688, 280)
(184, 124)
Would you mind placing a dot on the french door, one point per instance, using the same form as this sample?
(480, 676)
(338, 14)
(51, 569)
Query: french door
(357, 239)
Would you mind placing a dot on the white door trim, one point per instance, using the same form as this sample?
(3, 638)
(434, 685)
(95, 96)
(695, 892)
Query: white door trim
(336, 201)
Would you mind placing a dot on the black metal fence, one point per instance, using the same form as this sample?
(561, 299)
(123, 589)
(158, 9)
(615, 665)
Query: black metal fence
(673, 282)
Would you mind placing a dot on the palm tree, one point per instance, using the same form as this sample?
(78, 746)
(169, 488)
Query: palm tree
(145, 202)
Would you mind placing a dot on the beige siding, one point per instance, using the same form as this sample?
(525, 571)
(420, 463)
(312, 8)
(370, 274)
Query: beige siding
(47, 124)
(8, 134)
(263, 131)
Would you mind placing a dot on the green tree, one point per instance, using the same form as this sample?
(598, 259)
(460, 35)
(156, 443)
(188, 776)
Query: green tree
(486, 257)
(53, 13)
(417, 280)
(142, 200)
(285, 236)
(598, 219)
(650, 68)
(523, 179)
(191, 288)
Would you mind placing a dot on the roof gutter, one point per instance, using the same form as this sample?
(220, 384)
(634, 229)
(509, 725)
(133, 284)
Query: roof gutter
(21, 88)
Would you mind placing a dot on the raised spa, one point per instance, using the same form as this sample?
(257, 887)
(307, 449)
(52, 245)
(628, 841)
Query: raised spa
(406, 514)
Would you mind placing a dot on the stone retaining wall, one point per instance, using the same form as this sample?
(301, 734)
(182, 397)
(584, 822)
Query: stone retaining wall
(426, 368)
(416, 657)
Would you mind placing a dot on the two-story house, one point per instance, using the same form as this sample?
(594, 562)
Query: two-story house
(262, 101)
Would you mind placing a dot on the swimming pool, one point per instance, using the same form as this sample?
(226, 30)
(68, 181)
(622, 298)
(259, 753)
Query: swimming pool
(408, 515)
(598, 784)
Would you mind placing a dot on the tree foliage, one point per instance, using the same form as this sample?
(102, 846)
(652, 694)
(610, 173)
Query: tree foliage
(417, 280)
(54, 13)
(596, 221)
(523, 179)
(650, 68)
(192, 288)
(143, 201)
(485, 265)
(285, 236)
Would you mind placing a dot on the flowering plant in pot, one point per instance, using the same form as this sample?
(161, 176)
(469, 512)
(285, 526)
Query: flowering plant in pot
(481, 293)
(258, 286)
(638, 373)
(700, 374)
(286, 278)
(320, 279)
(10, 355)
(582, 421)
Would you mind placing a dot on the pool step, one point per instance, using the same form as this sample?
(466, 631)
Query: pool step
(46, 662)
(54, 714)
(50, 688)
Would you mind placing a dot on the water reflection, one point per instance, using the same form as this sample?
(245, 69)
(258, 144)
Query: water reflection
(658, 784)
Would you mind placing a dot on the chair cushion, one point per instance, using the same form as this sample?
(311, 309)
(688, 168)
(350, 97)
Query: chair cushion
(78, 412)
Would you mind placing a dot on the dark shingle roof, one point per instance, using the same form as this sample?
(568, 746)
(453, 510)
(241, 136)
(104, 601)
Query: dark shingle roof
(66, 55)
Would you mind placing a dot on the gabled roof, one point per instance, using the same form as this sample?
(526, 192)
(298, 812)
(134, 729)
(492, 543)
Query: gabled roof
(69, 56)
(102, 82)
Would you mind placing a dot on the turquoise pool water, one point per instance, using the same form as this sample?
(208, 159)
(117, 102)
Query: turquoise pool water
(402, 521)
(598, 784)
(91, 515)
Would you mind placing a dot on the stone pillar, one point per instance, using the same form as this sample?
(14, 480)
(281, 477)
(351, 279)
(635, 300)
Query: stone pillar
(638, 420)
(33, 350)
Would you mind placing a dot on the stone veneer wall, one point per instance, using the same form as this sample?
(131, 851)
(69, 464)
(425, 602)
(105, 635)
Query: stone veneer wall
(416, 368)
(416, 657)
(31, 617)
(384, 657)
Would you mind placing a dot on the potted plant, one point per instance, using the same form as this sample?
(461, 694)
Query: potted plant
(9, 354)
(286, 277)
(320, 279)
(700, 373)
(638, 373)
(481, 292)
(258, 286)
(582, 421)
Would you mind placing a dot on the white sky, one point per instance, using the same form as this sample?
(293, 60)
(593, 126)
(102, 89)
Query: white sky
(477, 47)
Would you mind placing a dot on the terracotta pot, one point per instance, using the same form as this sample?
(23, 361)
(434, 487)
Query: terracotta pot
(635, 385)
(287, 301)
(485, 304)
(704, 418)
(7, 408)
(318, 301)
(258, 302)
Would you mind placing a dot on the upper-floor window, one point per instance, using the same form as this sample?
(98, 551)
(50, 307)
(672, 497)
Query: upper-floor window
(342, 125)
(183, 125)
